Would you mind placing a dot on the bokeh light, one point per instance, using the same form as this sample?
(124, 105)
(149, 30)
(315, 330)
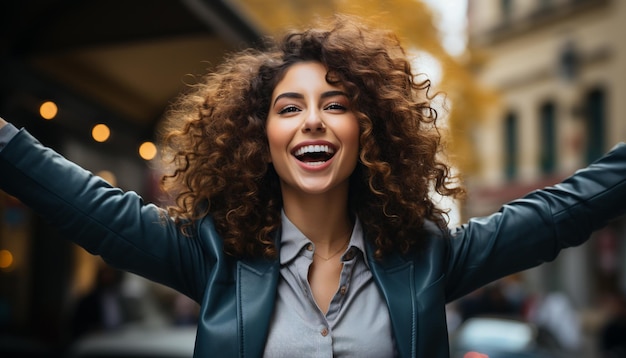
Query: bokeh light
(6, 259)
(147, 150)
(48, 110)
(100, 133)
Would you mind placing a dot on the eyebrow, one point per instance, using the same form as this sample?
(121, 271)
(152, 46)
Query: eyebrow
(300, 96)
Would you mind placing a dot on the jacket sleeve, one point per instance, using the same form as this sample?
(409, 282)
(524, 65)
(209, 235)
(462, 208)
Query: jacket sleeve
(106, 221)
(529, 231)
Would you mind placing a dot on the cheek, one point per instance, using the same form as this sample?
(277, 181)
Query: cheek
(276, 139)
(351, 135)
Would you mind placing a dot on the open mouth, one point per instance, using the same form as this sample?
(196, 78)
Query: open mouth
(314, 154)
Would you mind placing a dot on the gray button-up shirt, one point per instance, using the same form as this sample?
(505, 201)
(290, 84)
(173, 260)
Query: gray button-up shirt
(357, 323)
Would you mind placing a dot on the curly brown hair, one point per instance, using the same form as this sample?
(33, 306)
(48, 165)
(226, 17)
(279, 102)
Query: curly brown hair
(220, 152)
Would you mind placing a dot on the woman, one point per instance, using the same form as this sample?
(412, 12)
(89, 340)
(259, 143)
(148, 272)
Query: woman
(303, 222)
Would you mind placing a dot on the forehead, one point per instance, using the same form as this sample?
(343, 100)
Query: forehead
(304, 77)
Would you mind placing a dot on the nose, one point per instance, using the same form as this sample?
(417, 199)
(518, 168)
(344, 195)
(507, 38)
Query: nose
(313, 122)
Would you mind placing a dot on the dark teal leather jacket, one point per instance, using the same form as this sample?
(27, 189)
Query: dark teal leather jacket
(237, 296)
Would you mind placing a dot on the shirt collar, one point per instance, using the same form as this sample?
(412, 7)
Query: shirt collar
(293, 241)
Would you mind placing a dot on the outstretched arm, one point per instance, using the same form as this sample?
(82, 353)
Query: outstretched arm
(534, 229)
(106, 221)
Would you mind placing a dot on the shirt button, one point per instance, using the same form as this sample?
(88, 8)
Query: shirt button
(309, 247)
(349, 255)
(343, 290)
(324, 332)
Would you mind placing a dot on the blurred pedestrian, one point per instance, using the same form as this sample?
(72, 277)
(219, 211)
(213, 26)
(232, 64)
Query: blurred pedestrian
(612, 337)
(489, 300)
(101, 309)
(555, 313)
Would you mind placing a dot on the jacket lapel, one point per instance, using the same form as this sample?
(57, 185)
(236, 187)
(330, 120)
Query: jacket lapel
(256, 292)
(394, 277)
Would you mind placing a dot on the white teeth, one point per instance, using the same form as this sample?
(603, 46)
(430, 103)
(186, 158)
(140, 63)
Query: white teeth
(314, 149)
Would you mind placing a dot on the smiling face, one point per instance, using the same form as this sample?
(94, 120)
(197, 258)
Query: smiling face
(312, 132)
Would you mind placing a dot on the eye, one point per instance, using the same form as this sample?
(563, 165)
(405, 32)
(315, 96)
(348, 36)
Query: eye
(335, 106)
(288, 109)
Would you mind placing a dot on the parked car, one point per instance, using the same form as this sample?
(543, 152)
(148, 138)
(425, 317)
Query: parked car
(137, 341)
(502, 337)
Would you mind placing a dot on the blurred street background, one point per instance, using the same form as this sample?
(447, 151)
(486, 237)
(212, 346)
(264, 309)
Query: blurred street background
(534, 89)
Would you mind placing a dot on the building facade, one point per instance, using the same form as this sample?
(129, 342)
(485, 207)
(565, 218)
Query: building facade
(559, 67)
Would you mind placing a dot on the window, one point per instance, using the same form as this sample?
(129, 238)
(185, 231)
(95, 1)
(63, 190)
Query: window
(506, 7)
(544, 4)
(595, 118)
(547, 135)
(510, 145)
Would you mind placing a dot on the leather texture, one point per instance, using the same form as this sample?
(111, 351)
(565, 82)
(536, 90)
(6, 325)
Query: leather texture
(237, 296)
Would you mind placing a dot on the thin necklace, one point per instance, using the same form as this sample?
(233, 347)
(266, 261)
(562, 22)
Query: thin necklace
(336, 253)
